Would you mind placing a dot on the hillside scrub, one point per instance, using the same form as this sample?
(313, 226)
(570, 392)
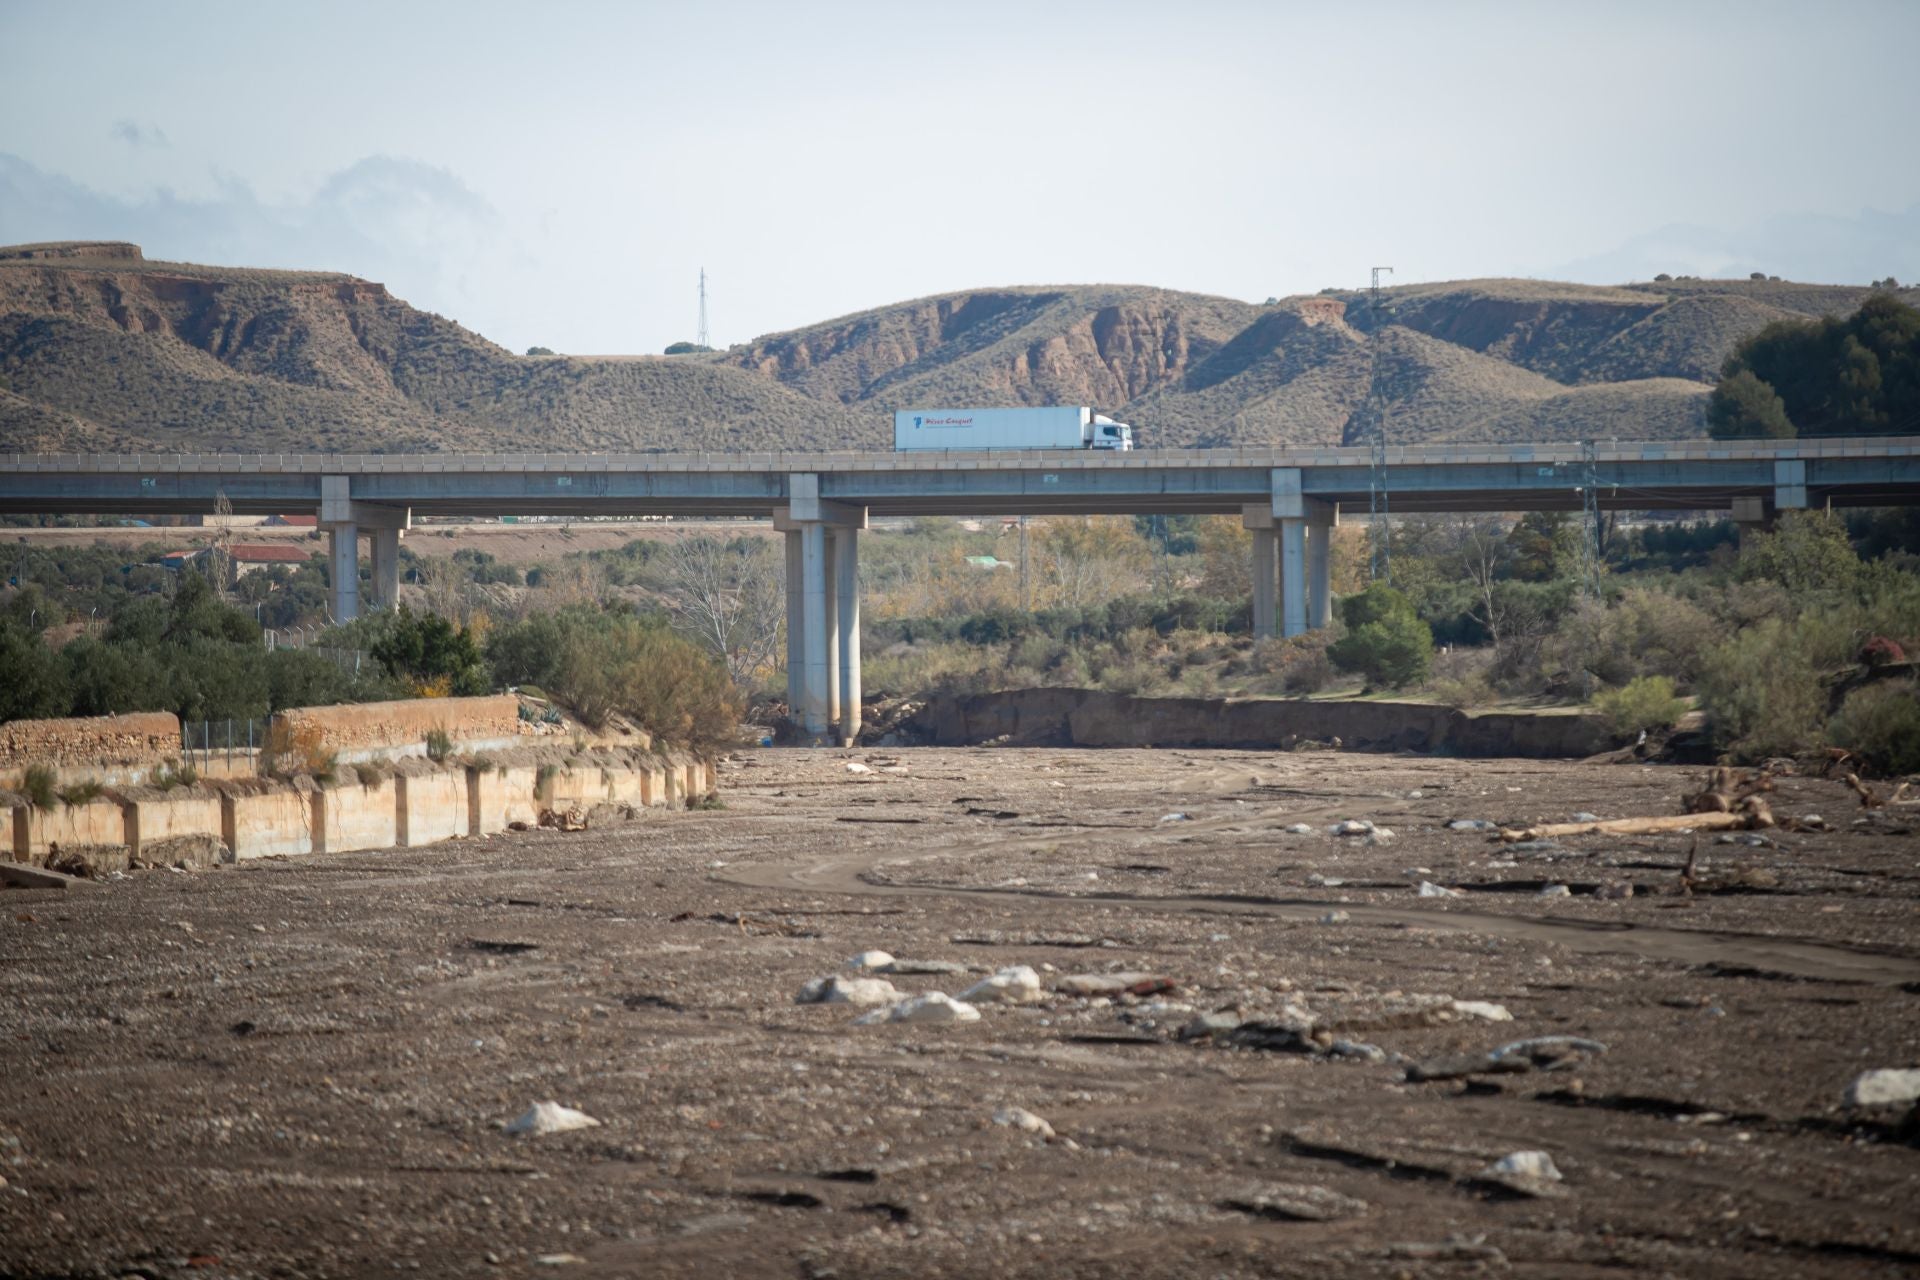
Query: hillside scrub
(1386, 642)
(1852, 376)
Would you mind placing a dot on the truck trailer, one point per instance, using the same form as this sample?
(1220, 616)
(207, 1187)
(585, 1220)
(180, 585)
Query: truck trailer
(1063, 427)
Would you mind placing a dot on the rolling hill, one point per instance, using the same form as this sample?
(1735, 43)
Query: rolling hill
(101, 349)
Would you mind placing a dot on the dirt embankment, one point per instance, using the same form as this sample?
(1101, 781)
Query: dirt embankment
(1092, 718)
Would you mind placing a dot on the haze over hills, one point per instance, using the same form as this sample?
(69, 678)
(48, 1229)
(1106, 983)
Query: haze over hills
(101, 350)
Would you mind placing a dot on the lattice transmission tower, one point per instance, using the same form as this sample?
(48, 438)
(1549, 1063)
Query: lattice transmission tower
(700, 338)
(1377, 497)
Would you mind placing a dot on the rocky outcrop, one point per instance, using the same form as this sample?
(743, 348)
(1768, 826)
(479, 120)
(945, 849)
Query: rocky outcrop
(1092, 718)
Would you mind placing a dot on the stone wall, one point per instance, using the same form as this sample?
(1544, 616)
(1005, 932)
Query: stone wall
(1091, 718)
(429, 806)
(499, 797)
(144, 737)
(37, 831)
(355, 816)
(386, 730)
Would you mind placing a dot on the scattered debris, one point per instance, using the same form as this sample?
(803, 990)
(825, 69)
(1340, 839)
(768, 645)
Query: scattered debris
(1871, 799)
(20, 876)
(1632, 826)
(1542, 1053)
(571, 818)
(1115, 984)
(1523, 1164)
(1017, 984)
(934, 1006)
(1024, 1120)
(1885, 1087)
(841, 990)
(1614, 891)
(551, 1117)
(1295, 1202)
(1470, 824)
(1176, 817)
(501, 948)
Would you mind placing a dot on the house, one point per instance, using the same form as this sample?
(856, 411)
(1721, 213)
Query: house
(250, 557)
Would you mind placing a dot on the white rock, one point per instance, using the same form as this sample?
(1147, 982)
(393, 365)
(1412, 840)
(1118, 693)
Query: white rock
(870, 960)
(934, 1006)
(1351, 827)
(1018, 984)
(1024, 1120)
(1469, 824)
(1556, 891)
(1335, 917)
(1888, 1086)
(1523, 1164)
(854, 766)
(1484, 1010)
(840, 990)
(1297, 829)
(1380, 835)
(551, 1117)
(1428, 889)
(1586, 817)
(1176, 817)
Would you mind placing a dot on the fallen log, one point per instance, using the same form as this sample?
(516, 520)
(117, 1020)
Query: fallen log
(1627, 826)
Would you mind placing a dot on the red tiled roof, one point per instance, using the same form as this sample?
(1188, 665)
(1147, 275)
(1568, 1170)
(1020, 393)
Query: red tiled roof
(299, 522)
(256, 554)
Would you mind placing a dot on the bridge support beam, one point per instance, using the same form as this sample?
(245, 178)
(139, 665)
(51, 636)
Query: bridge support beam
(846, 572)
(1265, 572)
(1321, 520)
(385, 544)
(343, 569)
(823, 610)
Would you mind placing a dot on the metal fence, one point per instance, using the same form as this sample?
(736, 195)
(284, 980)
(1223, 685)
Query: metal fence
(306, 639)
(204, 739)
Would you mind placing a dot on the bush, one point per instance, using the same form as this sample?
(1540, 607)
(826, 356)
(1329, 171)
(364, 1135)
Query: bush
(1385, 642)
(302, 750)
(33, 685)
(38, 785)
(641, 668)
(80, 793)
(1463, 693)
(368, 773)
(174, 774)
(1763, 692)
(1880, 724)
(439, 745)
(1645, 703)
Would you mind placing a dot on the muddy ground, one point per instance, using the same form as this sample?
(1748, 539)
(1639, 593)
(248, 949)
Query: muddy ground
(303, 1067)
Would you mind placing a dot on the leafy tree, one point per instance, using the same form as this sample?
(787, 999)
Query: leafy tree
(1386, 641)
(430, 652)
(107, 679)
(1541, 546)
(1743, 407)
(1857, 375)
(1808, 551)
(685, 348)
(33, 684)
(539, 351)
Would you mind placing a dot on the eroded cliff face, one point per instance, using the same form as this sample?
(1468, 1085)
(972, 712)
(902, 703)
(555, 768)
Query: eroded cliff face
(1013, 346)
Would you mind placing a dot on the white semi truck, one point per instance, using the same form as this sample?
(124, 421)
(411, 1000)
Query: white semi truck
(1065, 427)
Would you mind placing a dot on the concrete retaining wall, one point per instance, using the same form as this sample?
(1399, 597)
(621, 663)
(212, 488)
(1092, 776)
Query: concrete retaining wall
(262, 824)
(430, 807)
(169, 815)
(352, 816)
(498, 798)
(1091, 718)
(35, 831)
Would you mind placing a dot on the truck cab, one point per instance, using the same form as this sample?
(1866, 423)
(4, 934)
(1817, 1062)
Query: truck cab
(1108, 434)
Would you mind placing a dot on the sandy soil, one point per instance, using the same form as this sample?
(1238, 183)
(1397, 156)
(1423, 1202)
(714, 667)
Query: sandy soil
(303, 1067)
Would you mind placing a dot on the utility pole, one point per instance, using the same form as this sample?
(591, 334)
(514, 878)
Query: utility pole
(700, 338)
(1593, 549)
(1377, 502)
(1026, 602)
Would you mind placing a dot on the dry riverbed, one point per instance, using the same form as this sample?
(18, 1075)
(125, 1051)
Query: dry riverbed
(1241, 1050)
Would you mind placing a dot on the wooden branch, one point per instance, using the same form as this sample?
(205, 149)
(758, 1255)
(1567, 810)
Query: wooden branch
(1628, 826)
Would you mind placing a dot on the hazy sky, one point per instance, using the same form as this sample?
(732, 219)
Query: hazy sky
(558, 173)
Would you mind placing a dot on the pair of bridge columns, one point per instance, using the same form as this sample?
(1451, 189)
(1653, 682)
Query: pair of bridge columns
(344, 520)
(1292, 559)
(823, 611)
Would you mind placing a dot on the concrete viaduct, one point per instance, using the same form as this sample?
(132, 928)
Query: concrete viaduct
(1289, 498)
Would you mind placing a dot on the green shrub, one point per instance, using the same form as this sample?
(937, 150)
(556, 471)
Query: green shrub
(369, 774)
(1463, 693)
(1880, 724)
(1643, 703)
(38, 785)
(439, 745)
(1386, 642)
(1763, 693)
(174, 774)
(80, 793)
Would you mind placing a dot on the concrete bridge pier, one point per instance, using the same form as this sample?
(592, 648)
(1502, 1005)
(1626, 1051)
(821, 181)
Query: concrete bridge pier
(1292, 559)
(1322, 519)
(343, 518)
(823, 611)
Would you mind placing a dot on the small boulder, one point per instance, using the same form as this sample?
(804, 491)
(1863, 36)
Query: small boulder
(1018, 984)
(550, 1117)
(877, 960)
(839, 990)
(933, 1007)
(1885, 1087)
(1024, 1120)
(1428, 889)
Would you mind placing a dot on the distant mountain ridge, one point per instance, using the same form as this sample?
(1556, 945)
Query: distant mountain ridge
(102, 350)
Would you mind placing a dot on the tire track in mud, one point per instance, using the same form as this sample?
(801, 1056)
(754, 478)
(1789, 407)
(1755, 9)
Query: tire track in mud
(1737, 953)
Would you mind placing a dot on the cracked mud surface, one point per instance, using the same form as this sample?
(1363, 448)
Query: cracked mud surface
(302, 1067)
